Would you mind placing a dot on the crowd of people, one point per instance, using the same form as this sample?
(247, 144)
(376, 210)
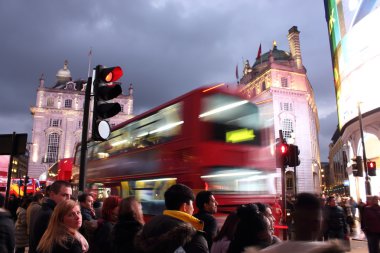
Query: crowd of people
(57, 222)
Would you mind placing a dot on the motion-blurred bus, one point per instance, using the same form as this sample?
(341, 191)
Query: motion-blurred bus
(208, 139)
(61, 170)
(17, 187)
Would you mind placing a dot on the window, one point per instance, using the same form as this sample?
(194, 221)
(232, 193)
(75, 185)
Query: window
(263, 88)
(235, 125)
(79, 124)
(286, 106)
(122, 107)
(68, 103)
(55, 122)
(287, 128)
(284, 82)
(70, 86)
(50, 102)
(155, 129)
(52, 148)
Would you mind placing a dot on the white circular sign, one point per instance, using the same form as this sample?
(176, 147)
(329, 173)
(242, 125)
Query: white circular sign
(104, 129)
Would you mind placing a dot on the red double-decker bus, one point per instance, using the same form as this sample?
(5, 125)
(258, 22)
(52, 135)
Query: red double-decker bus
(210, 138)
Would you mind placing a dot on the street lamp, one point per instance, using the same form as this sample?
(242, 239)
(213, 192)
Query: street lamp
(367, 180)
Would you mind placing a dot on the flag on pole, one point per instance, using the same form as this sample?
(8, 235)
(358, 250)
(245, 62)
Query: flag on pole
(259, 52)
(237, 72)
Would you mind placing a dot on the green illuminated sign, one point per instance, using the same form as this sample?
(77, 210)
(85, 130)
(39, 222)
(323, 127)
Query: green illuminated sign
(240, 135)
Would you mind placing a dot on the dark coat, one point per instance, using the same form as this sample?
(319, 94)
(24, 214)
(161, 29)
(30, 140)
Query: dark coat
(87, 214)
(102, 241)
(40, 224)
(371, 219)
(123, 235)
(165, 234)
(72, 245)
(335, 219)
(7, 239)
(210, 226)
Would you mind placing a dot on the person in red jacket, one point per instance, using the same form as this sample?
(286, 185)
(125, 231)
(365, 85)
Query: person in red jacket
(371, 224)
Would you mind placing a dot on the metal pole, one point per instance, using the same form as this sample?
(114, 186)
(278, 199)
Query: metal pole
(83, 150)
(367, 180)
(283, 181)
(13, 151)
(295, 177)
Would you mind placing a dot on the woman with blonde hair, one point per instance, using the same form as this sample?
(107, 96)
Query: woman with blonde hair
(130, 222)
(62, 233)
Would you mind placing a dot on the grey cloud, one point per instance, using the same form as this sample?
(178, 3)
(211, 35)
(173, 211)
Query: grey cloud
(166, 48)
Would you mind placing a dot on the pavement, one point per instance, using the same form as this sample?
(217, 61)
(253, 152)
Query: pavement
(358, 240)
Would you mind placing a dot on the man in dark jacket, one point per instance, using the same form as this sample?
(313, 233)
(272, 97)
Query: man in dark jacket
(176, 230)
(59, 191)
(207, 206)
(335, 220)
(86, 202)
(7, 239)
(371, 224)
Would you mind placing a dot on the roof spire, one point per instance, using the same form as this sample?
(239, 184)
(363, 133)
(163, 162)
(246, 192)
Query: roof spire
(42, 80)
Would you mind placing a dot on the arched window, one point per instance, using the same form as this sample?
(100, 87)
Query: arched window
(52, 148)
(287, 128)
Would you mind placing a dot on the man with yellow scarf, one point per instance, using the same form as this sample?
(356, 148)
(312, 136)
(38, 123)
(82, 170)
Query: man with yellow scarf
(176, 230)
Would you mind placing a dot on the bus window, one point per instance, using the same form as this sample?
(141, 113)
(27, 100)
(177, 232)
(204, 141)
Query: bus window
(233, 120)
(242, 180)
(151, 193)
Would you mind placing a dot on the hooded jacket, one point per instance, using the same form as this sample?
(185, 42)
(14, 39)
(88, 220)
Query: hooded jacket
(168, 232)
(21, 235)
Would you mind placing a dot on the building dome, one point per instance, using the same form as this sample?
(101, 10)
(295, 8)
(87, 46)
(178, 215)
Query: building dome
(63, 75)
(278, 55)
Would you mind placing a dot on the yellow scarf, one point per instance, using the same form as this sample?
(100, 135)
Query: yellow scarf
(197, 224)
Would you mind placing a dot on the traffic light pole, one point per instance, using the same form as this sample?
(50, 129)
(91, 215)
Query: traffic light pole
(83, 150)
(283, 190)
(367, 180)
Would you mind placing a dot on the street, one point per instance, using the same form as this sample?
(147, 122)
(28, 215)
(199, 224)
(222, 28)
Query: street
(358, 246)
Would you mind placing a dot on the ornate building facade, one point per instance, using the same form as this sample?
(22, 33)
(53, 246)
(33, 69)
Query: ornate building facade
(57, 120)
(278, 83)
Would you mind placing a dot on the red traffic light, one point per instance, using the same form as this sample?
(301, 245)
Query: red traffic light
(371, 165)
(110, 74)
(284, 148)
(371, 168)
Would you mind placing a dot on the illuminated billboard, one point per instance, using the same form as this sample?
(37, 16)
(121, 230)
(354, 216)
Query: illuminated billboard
(355, 46)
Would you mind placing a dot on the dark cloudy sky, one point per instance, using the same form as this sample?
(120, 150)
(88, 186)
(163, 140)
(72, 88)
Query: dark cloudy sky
(166, 47)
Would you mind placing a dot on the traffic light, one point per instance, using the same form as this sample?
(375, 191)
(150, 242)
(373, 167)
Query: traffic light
(357, 168)
(293, 159)
(371, 168)
(282, 150)
(105, 89)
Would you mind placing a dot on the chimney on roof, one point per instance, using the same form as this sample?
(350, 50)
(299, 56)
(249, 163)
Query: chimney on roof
(294, 44)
